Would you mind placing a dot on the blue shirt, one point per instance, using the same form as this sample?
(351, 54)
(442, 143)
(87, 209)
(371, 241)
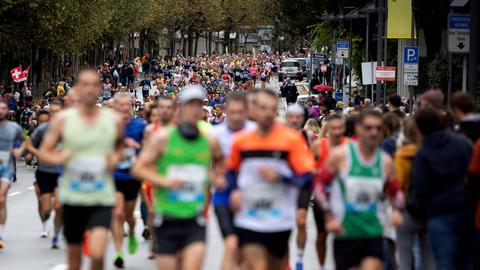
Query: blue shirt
(225, 137)
(133, 129)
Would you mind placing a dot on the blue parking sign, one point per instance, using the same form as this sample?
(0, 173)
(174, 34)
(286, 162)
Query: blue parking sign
(410, 55)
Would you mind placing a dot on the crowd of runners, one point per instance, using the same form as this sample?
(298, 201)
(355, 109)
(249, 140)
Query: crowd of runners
(395, 190)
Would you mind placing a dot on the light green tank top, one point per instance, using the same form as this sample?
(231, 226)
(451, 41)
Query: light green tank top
(85, 181)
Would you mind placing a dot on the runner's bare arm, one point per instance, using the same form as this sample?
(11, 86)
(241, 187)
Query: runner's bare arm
(392, 185)
(145, 169)
(117, 154)
(218, 164)
(315, 149)
(48, 153)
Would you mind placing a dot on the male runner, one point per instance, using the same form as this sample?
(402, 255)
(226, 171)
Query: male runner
(10, 133)
(127, 187)
(177, 160)
(236, 121)
(267, 167)
(47, 176)
(295, 120)
(360, 173)
(91, 144)
(335, 127)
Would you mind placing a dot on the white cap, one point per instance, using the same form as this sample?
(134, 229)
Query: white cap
(295, 109)
(189, 93)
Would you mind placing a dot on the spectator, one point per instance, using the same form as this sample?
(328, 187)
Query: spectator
(439, 170)
(391, 132)
(394, 104)
(463, 109)
(289, 91)
(432, 98)
(413, 245)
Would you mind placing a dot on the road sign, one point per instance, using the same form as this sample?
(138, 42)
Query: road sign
(338, 61)
(385, 74)
(410, 55)
(320, 56)
(459, 33)
(410, 79)
(323, 68)
(410, 66)
(343, 49)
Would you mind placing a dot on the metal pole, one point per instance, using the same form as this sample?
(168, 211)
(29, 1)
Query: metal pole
(350, 60)
(464, 74)
(411, 89)
(380, 10)
(449, 90)
(473, 60)
(367, 45)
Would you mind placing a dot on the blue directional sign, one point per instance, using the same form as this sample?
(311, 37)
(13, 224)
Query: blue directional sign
(410, 55)
(342, 45)
(459, 22)
(320, 56)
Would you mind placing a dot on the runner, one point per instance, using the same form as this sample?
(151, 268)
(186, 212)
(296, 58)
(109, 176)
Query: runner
(295, 120)
(267, 169)
(47, 176)
(236, 111)
(10, 132)
(177, 161)
(91, 144)
(146, 86)
(127, 187)
(335, 127)
(363, 173)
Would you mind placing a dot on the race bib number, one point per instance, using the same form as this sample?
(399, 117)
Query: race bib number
(194, 178)
(4, 159)
(261, 199)
(87, 174)
(363, 194)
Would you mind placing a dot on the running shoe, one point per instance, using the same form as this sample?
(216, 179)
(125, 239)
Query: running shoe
(132, 244)
(119, 261)
(44, 234)
(55, 242)
(146, 234)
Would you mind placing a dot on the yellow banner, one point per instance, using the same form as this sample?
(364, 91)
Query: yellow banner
(399, 23)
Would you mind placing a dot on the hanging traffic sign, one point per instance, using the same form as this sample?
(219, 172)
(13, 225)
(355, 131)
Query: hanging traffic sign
(459, 33)
(385, 74)
(343, 49)
(323, 68)
(410, 79)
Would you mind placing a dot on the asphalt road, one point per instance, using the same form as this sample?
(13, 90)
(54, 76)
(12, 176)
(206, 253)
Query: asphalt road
(26, 250)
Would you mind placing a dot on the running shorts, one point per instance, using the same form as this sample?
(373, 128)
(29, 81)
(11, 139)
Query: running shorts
(129, 188)
(6, 174)
(276, 243)
(174, 235)
(304, 197)
(225, 220)
(349, 253)
(77, 219)
(46, 181)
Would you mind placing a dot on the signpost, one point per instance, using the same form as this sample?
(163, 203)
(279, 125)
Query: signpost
(459, 42)
(410, 66)
(343, 49)
(385, 74)
(459, 33)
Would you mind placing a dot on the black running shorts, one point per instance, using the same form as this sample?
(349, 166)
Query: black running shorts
(77, 219)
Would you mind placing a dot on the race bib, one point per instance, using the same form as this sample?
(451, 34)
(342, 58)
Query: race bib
(194, 177)
(261, 199)
(4, 159)
(363, 194)
(129, 158)
(87, 173)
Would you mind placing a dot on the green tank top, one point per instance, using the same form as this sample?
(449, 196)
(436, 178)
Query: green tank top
(85, 181)
(187, 160)
(360, 188)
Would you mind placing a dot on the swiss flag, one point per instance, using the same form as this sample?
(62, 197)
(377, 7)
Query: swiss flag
(19, 75)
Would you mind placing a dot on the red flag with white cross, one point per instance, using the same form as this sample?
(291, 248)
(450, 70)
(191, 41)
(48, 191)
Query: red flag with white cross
(17, 74)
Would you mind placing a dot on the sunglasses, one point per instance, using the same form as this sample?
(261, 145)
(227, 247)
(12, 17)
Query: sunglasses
(370, 127)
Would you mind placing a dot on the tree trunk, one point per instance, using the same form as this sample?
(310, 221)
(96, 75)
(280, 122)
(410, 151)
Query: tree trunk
(197, 37)
(209, 47)
(226, 41)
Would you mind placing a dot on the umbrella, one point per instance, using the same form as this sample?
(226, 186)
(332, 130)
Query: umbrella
(323, 87)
